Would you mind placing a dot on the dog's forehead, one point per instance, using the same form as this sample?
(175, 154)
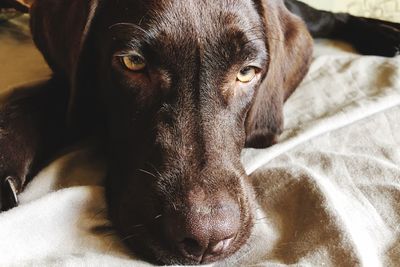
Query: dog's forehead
(201, 16)
(188, 18)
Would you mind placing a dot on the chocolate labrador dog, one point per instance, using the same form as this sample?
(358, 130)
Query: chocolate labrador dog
(175, 89)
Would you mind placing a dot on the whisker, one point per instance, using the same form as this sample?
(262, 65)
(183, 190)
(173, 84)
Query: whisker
(154, 167)
(109, 234)
(147, 172)
(136, 226)
(129, 24)
(128, 237)
(101, 211)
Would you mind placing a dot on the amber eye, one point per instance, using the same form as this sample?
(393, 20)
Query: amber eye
(247, 74)
(133, 62)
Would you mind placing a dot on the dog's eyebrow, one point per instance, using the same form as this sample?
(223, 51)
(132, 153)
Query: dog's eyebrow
(252, 47)
(130, 33)
(255, 53)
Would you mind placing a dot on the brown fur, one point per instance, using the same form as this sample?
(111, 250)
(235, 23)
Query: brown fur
(173, 132)
(195, 141)
(177, 131)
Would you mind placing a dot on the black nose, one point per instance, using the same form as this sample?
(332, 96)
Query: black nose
(205, 229)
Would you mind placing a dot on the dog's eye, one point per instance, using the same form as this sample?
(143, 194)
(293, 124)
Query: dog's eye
(133, 62)
(247, 74)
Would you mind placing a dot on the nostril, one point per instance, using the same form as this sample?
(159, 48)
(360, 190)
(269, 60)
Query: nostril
(221, 246)
(192, 247)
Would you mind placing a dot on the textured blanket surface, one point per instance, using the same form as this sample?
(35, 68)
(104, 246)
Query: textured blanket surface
(328, 192)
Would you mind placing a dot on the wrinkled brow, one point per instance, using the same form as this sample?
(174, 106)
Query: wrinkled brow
(255, 50)
(246, 45)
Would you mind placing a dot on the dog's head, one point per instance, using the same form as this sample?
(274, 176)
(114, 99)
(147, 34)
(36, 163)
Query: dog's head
(182, 86)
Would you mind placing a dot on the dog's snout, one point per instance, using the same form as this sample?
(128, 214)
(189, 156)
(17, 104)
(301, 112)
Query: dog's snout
(205, 229)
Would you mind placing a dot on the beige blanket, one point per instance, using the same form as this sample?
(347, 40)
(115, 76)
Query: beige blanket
(329, 192)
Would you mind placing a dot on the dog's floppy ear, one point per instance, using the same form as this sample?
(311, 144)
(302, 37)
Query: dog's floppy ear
(289, 47)
(60, 29)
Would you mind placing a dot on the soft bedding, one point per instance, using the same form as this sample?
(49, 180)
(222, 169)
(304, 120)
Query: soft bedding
(328, 192)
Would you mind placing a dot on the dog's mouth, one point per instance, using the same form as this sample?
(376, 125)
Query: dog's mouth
(194, 228)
